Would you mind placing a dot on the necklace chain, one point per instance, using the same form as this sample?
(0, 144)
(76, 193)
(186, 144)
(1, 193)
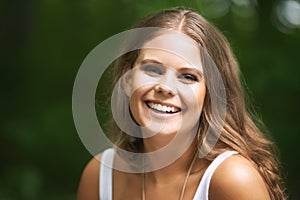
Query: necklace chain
(184, 183)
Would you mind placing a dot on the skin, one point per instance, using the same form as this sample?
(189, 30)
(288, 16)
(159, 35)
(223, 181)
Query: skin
(162, 77)
(235, 179)
(173, 81)
(89, 182)
(169, 88)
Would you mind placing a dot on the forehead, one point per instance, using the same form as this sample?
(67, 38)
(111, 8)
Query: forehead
(172, 49)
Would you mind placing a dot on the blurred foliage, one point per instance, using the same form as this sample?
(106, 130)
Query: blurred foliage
(43, 43)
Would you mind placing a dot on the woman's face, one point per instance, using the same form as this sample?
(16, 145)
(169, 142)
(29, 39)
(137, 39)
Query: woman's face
(166, 86)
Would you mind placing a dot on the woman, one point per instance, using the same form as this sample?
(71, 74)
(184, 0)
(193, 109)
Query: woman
(171, 88)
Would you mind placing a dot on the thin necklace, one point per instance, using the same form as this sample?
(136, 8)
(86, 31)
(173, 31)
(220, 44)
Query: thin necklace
(184, 183)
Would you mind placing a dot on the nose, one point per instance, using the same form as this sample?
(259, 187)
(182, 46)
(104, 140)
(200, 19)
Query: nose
(166, 86)
(164, 90)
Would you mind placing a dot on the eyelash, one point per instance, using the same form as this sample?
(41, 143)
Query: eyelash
(152, 69)
(189, 77)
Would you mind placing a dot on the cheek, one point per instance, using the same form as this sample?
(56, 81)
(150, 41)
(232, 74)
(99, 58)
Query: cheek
(134, 106)
(200, 98)
(141, 81)
(200, 93)
(193, 99)
(137, 106)
(194, 95)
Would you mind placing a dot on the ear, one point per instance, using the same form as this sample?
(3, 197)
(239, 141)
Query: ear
(126, 81)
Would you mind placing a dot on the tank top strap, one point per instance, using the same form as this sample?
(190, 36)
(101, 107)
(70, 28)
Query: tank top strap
(105, 185)
(203, 188)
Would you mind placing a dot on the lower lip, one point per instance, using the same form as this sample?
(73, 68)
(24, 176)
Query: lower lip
(161, 115)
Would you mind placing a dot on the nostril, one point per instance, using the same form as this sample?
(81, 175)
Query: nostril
(164, 89)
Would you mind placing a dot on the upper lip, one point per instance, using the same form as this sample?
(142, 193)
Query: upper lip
(163, 103)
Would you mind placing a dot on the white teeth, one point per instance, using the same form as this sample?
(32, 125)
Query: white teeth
(162, 108)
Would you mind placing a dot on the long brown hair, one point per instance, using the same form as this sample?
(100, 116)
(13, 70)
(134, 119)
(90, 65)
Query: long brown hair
(242, 131)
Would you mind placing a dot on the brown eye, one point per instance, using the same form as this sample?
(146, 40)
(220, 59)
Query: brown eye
(189, 77)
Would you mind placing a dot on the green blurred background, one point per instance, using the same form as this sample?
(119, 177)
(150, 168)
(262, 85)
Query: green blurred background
(44, 42)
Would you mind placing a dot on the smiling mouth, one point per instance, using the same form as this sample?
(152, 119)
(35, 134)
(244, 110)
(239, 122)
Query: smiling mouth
(162, 108)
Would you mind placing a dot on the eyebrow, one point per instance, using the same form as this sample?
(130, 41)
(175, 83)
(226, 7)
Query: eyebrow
(146, 61)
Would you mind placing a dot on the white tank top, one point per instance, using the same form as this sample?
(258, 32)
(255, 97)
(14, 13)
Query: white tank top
(201, 192)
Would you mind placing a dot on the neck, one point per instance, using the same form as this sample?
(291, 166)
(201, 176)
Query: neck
(175, 171)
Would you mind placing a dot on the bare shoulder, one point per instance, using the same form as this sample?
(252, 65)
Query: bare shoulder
(237, 178)
(89, 182)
